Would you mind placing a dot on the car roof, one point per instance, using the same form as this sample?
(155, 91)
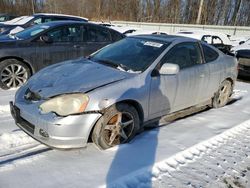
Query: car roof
(165, 38)
(60, 15)
(63, 22)
(70, 22)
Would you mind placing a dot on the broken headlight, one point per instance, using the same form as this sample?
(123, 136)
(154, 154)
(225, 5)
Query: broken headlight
(67, 104)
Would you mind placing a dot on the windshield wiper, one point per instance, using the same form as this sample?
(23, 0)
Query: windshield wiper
(118, 66)
(112, 64)
(109, 63)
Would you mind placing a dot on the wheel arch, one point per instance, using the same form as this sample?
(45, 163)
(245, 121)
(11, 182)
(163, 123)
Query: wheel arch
(131, 102)
(230, 79)
(232, 82)
(137, 106)
(31, 68)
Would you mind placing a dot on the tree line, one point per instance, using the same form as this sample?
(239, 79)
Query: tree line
(208, 12)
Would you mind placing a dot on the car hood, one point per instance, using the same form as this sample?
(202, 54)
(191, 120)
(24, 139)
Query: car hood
(7, 38)
(80, 75)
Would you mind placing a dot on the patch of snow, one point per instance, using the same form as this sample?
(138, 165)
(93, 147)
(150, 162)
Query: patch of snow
(171, 155)
(21, 21)
(4, 109)
(214, 166)
(14, 142)
(16, 30)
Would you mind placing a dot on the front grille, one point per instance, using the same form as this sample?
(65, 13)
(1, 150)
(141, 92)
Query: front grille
(26, 125)
(22, 123)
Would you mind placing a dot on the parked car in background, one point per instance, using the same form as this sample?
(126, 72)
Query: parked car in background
(243, 57)
(6, 17)
(111, 95)
(26, 52)
(23, 22)
(238, 40)
(243, 46)
(145, 32)
(123, 29)
(130, 31)
(219, 40)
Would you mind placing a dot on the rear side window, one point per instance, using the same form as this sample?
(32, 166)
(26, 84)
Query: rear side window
(66, 34)
(209, 53)
(185, 55)
(116, 36)
(98, 35)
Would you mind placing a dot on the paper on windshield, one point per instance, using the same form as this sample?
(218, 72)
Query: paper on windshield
(153, 44)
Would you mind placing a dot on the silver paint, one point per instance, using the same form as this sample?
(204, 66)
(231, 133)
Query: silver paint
(105, 86)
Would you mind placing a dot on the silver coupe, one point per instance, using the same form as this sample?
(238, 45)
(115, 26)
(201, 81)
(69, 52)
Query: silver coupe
(109, 96)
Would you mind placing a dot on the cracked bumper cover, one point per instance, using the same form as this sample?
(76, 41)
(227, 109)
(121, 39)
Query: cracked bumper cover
(57, 132)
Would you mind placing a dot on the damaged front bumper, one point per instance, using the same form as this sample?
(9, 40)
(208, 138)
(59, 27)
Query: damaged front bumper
(57, 132)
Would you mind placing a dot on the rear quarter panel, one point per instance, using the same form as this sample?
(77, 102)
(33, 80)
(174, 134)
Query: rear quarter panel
(229, 65)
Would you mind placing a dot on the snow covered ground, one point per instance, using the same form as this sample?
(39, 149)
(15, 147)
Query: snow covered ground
(208, 149)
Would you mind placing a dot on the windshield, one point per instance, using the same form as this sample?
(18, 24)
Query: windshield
(131, 54)
(27, 33)
(2, 18)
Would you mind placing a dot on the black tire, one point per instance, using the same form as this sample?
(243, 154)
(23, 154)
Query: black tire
(13, 73)
(108, 131)
(223, 94)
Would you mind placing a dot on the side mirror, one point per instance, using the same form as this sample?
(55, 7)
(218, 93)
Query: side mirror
(241, 42)
(46, 39)
(169, 69)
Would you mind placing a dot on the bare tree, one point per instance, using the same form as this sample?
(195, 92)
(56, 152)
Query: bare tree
(218, 12)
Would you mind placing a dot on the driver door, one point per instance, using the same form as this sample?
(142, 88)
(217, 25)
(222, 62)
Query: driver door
(170, 93)
(64, 45)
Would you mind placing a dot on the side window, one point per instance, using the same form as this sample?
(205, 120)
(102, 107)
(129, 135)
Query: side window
(184, 54)
(98, 35)
(209, 53)
(59, 18)
(45, 20)
(2, 18)
(116, 36)
(37, 21)
(66, 34)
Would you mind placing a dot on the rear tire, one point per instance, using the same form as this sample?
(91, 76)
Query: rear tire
(223, 94)
(118, 125)
(13, 73)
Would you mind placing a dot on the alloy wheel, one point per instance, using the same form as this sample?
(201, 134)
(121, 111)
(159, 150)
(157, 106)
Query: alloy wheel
(14, 75)
(118, 129)
(224, 93)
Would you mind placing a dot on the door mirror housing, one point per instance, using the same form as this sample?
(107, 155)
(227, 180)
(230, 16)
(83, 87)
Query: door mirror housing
(169, 69)
(46, 39)
(241, 42)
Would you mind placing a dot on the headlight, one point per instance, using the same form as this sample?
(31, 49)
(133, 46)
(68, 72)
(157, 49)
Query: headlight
(67, 104)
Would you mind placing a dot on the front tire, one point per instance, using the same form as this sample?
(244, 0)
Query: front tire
(13, 73)
(223, 94)
(118, 125)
